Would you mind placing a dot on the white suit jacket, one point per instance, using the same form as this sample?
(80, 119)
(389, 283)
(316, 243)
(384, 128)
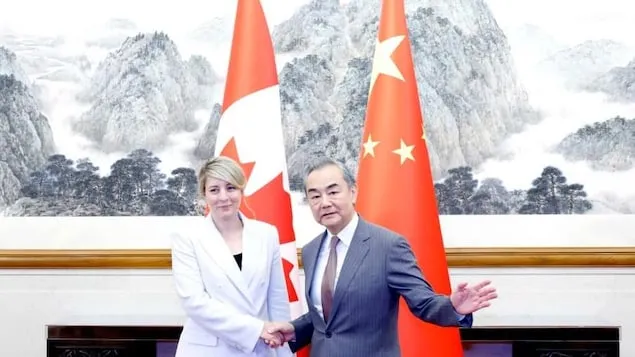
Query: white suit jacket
(226, 307)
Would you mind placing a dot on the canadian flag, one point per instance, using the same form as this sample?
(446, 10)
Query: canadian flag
(250, 132)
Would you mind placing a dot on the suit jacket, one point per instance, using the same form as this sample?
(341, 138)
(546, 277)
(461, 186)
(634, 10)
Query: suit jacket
(379, 268)
(226, 307)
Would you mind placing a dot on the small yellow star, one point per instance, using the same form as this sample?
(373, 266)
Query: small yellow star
(369, 146)
(423, 132)
(405, 152)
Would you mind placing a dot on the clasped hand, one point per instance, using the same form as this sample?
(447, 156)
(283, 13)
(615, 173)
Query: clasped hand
(275, 334)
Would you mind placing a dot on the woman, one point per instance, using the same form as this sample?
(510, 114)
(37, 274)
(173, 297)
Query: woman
(228, 273)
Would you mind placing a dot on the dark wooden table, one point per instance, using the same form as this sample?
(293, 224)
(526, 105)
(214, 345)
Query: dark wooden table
(512, 341)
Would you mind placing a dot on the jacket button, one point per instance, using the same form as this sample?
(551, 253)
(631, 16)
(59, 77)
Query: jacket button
(328, 334)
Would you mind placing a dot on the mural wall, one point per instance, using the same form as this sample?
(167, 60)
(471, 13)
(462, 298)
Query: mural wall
(108, 110)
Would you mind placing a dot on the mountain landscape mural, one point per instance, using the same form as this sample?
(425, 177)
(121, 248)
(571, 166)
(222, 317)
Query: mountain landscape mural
(112, 114)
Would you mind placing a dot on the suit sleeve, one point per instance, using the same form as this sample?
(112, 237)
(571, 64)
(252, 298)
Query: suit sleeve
(405, 277)
(467, 321)
(303, 332)
(277, 296)
(303, 326)
(220, 319)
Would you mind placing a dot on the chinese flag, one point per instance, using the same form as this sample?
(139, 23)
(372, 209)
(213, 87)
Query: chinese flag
(395, 181)
(250, 132)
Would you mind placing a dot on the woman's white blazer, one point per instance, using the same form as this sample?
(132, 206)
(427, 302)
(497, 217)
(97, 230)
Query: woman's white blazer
(226, 307)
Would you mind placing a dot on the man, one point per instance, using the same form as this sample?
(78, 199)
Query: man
(355, 274)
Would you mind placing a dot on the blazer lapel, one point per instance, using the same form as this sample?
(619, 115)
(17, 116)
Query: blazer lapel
(354, 258)
(309, 262)
(215, 246)
(255, 253)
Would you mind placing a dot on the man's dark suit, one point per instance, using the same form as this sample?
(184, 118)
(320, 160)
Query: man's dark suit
(378, 268)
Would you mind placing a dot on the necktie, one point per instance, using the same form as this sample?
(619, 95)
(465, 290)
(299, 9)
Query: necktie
(328, 280)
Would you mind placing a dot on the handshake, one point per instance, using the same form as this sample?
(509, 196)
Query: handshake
(276, 334)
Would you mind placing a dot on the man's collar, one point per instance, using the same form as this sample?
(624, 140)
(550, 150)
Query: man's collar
(346, 235)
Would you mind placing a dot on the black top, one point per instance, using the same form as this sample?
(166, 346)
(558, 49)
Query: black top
(239, 260)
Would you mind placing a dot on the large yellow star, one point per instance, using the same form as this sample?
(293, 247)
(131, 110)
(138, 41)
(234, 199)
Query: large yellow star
(405, 152)
(369, 146)
(382, 61)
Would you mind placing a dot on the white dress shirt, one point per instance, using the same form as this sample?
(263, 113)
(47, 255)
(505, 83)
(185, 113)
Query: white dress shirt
(345, 236)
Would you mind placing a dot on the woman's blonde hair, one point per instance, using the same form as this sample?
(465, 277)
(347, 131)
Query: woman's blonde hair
(221, 168)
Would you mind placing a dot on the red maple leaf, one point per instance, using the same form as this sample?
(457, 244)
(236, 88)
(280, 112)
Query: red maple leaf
(272, 204)
(287, 267)
(231, 151)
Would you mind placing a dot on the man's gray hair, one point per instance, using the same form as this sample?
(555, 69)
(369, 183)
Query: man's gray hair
(323, 161)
